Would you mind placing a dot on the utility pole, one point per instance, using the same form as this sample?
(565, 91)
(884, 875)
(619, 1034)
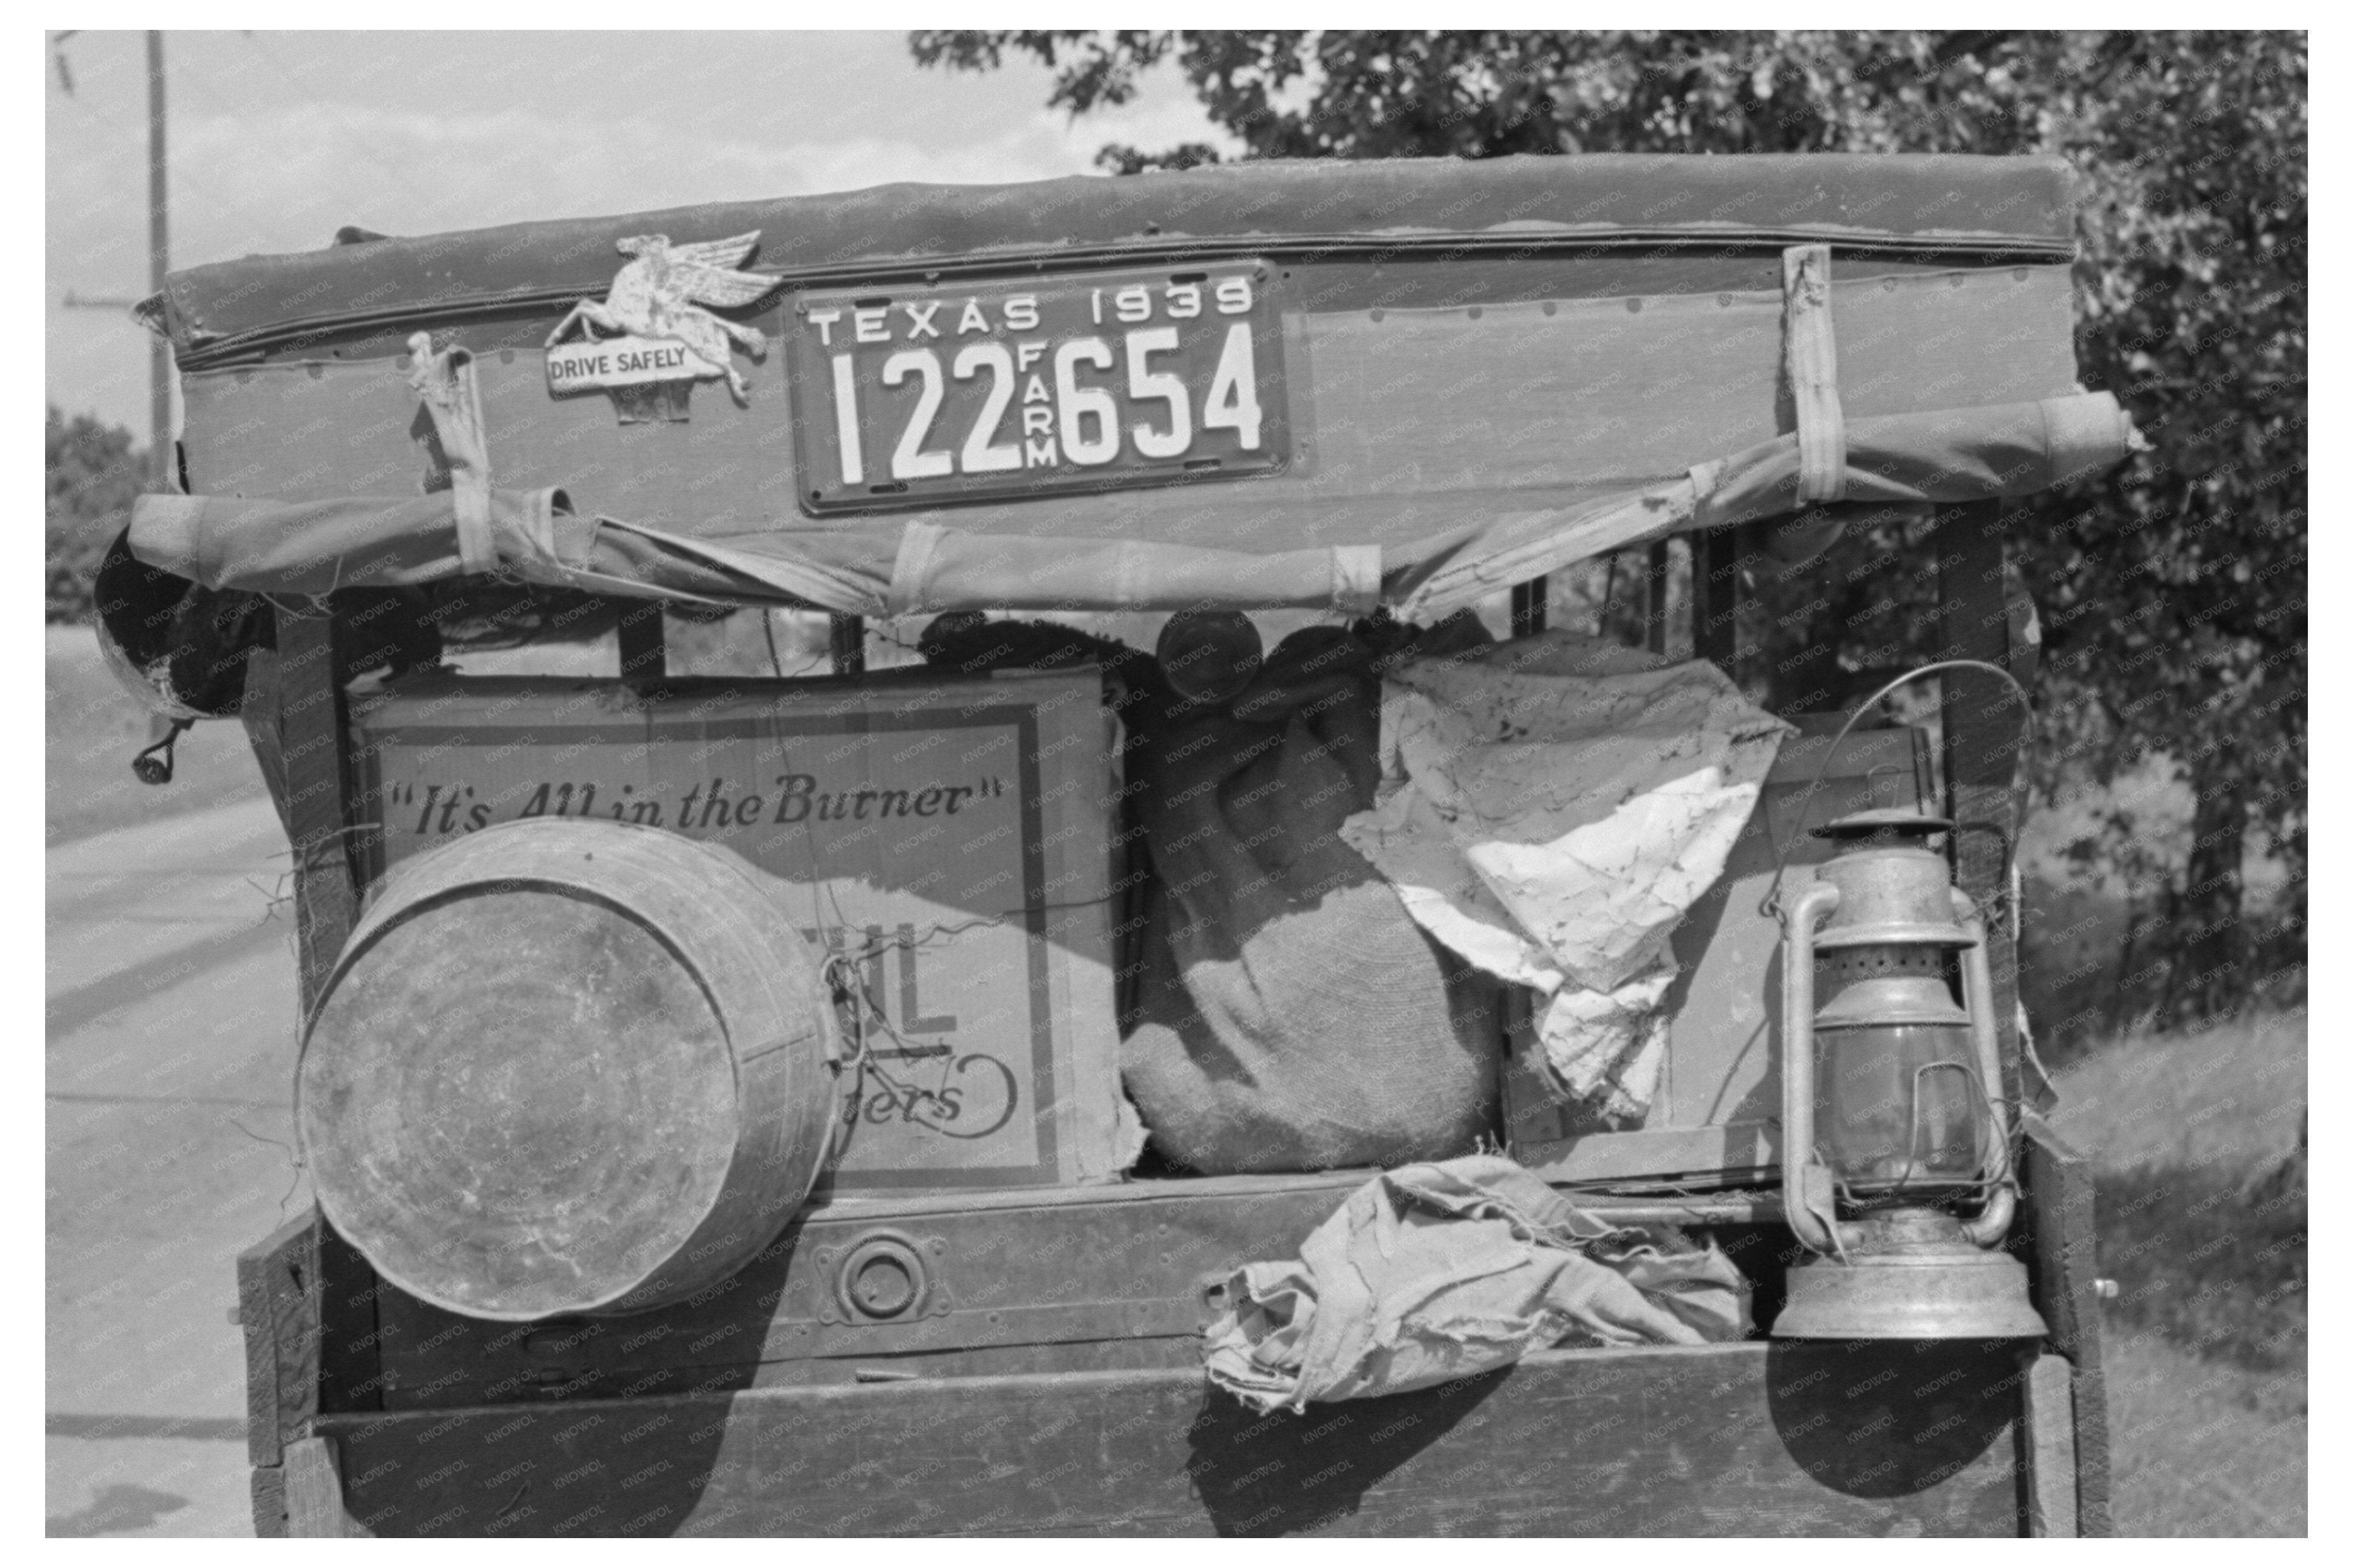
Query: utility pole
(163, 466)
(159, 264)
(161, 456)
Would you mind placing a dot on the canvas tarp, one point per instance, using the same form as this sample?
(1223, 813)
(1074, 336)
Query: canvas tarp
(1432, 1272)
(2012, 208)
(881, 570)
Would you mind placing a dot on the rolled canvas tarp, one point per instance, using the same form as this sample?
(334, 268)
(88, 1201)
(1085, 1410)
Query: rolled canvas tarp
(313, 547)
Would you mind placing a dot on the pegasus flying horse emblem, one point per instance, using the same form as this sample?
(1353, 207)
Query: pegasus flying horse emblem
(661, 295)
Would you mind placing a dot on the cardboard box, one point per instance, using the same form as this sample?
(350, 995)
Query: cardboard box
(956, 832)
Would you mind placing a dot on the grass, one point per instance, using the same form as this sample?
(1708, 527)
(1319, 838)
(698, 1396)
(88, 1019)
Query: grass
(2205, 1339)
(2201, 1448)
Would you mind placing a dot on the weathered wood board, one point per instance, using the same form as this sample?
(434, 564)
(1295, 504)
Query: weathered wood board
(1751, 1439)
(2056, 1232)
(1063, 1280)
(1986, 731)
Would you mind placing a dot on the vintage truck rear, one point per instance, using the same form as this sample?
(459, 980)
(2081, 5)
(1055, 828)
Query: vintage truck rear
(1469, 375)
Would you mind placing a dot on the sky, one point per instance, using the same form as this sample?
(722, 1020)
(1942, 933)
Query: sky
(277, 140)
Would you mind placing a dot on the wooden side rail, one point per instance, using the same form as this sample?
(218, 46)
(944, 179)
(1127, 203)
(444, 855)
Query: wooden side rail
(2056, 1234)
(1751, 1439)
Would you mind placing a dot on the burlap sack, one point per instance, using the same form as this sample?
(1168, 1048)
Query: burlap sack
(1288, 1014)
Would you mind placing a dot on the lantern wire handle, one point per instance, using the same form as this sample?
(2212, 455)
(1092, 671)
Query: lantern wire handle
(1771, 906)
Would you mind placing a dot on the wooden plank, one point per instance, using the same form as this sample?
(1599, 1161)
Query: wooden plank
(268, 1489)
(317, 782)
(846, 644)
(1982, 723)
(314, 1492)
(1074, 1279)
(1718, 559)
(1744, 1439)
(1654, 608)
(1735, 1151)
(260, 714)
(307, 1304)
(1530, 600)
(2057, 1228)
(1054, 1273)
(2048, 1443)
(277, 1306)
(1807, 680)
(645, 652)
(350, 1366)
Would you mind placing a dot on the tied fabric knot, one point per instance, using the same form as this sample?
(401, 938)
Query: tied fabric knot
(1355, 579)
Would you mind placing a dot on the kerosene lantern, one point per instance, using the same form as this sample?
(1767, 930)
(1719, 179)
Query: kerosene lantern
(1892, 1127)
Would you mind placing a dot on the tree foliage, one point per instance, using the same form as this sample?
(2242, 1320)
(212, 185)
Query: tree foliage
(93, 472)
(2171, 591)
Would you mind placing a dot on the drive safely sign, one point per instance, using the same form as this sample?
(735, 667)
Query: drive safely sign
(1083, 381)
(629, 360)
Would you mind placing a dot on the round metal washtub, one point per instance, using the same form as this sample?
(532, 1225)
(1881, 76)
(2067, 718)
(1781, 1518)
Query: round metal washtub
(565, 1066)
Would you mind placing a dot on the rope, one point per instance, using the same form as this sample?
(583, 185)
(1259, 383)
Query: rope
(844, 976)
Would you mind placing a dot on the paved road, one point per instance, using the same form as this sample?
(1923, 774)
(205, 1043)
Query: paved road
(171, 1018)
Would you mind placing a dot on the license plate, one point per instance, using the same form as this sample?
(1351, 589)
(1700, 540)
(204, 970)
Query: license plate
(1093, 382)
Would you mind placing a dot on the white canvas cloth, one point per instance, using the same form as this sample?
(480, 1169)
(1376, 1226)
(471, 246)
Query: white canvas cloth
(1549, 808)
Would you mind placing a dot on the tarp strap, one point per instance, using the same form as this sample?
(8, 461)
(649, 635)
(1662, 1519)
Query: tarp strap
(911, 569)
(1355, 579)
(1809, 359)
(446, 383)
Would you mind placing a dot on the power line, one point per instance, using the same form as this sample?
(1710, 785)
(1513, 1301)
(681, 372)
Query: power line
(108, 128)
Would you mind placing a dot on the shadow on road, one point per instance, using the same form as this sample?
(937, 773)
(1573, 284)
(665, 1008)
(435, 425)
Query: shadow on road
(116, 1509)
(204, 1428)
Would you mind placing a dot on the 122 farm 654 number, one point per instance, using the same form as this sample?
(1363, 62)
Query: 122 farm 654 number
(1079, 382)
